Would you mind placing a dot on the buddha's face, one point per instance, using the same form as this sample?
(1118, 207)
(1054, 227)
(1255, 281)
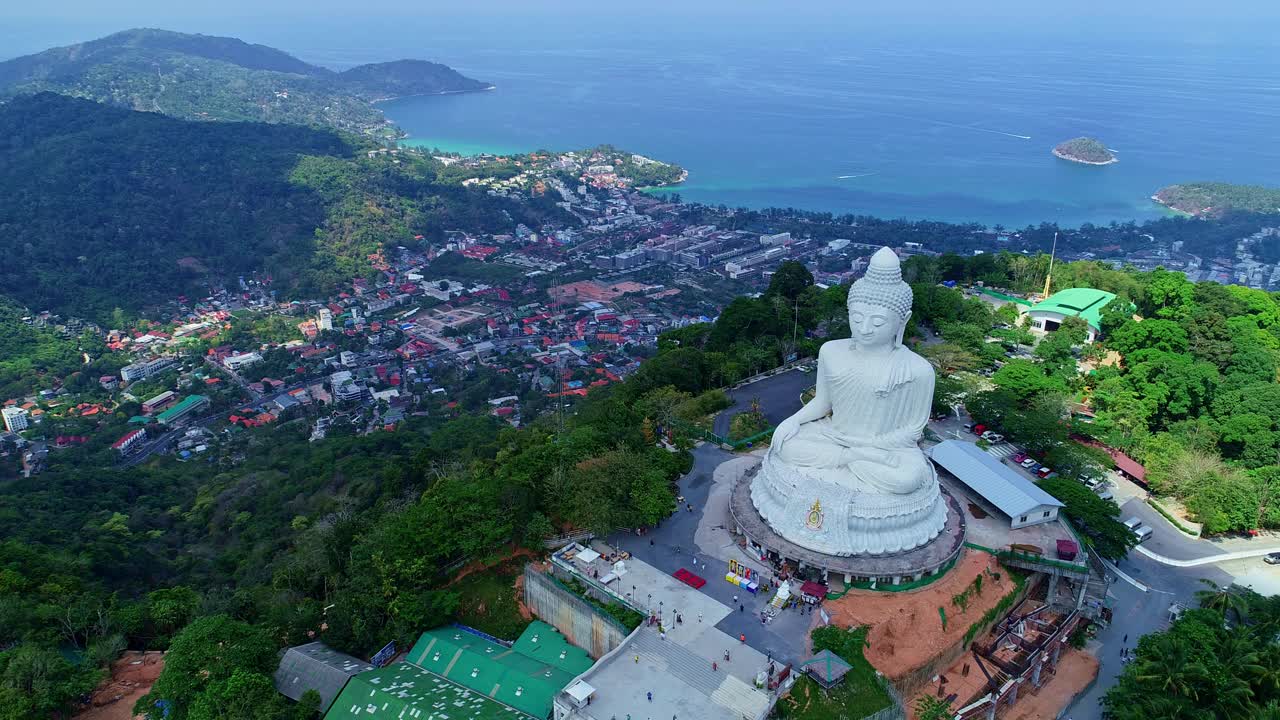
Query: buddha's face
(873, 327)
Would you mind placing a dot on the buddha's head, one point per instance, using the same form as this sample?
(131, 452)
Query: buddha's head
(879, 304)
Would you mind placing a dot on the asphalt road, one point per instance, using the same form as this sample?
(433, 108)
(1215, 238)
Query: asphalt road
(779, 398)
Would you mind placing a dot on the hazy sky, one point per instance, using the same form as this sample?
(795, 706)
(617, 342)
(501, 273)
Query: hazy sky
(29, 26)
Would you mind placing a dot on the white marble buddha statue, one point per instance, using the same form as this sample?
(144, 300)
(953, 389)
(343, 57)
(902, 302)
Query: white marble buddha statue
(844, 475)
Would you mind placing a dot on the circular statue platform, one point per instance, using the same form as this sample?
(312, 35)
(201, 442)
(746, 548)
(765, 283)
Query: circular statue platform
(892, 568)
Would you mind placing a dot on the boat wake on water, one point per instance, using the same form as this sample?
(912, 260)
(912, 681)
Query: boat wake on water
(862, 175)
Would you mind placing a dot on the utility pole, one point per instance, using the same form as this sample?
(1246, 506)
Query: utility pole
(795, 325)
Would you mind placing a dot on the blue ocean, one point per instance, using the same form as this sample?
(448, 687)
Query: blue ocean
(947, 127)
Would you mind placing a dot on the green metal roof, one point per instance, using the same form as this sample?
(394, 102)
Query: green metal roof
(1084, 303)
(545, 644)
(526, 676)
(181, 407)
(1001, 296)
(405, 692)
(827, 667)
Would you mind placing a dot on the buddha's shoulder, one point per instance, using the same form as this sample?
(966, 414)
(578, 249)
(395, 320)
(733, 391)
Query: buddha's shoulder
(918, 365)
(831, 347)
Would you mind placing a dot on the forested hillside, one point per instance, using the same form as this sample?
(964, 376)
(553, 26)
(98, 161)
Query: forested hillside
(1188, 386)
(274, 529)
(1218, 198)
(108, 208)
(202, 77)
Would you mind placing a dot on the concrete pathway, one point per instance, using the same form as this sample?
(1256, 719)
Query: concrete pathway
(1210, 560)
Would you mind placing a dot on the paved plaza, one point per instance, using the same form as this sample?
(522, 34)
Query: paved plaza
(681, 670)
(699, 541)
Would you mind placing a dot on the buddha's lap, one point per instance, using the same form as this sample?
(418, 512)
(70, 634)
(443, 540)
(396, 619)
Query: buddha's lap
(906, 463)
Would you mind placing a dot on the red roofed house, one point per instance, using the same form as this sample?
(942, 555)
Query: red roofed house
(129, 441)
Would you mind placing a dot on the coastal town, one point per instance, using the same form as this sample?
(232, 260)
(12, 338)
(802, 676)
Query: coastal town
(512, 324)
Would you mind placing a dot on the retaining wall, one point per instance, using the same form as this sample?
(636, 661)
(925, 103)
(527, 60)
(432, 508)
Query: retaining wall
(578, 620)
(910, 684)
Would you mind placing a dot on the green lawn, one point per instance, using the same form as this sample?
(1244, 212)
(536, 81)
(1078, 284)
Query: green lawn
(858, 695)
(488, 602)
(847, 701)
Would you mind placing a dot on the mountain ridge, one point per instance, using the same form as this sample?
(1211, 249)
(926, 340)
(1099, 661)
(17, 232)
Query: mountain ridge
(209, 77)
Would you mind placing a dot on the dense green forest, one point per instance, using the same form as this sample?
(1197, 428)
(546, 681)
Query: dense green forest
(1218, 198)
(202, 77)
(90, 227)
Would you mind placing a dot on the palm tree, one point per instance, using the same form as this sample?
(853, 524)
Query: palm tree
(1224, 600)
(1169, 668)
(1270, 711)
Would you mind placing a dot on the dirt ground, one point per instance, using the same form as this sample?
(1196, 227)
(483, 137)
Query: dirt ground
(131, 677)
(906, 630)
(1076, 669)
(525, 612)
(511, 553)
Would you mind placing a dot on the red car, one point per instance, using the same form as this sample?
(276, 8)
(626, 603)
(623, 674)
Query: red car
(1020, 458)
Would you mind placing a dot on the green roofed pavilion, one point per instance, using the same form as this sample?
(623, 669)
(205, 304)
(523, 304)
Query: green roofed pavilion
(827, 668)
(1084, 303)
(526, 676)
(405, 692)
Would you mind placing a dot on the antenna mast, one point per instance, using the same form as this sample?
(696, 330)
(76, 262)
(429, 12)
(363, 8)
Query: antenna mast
(1049, 278)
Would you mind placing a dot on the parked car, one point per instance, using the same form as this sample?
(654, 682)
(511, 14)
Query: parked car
(1092, 483)
(1143, 533)
(1044, 471)
(1030, 463)
(995, 438)
(1133, 523)
(978, 429)
(1272, 559)
(1106, 495)
(1020, 458)
(968, 427)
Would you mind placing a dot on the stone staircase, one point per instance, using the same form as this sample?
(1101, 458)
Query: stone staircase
(722, 686)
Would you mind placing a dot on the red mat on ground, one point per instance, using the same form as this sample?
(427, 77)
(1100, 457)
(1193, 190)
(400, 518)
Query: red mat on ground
(689, 579)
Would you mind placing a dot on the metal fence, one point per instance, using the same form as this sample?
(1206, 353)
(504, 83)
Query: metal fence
(896, 710)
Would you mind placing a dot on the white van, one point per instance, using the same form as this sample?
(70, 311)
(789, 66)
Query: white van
(1143, 533)
(1133, 524)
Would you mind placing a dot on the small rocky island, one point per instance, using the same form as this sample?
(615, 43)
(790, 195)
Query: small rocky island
(1085, 150)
